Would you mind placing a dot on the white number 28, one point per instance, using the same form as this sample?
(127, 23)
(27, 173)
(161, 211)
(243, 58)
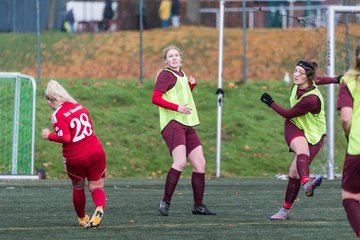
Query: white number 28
(83, 127)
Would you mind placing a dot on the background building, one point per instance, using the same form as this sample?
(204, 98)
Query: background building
(20, 15)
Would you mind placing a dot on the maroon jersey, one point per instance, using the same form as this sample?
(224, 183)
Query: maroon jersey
(310, 103)
(344, 99)
(164, 82)
(74, 129)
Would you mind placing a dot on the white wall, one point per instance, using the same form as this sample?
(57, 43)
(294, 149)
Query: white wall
(88, 11)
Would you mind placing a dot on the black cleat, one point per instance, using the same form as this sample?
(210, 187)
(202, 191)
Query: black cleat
(164, 207)
(202, 210)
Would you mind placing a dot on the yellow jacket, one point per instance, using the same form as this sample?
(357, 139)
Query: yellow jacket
(165, 10)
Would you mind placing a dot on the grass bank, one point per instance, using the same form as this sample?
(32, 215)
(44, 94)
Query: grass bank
(128, 125)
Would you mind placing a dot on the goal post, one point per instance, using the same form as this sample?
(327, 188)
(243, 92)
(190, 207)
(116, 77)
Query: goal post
(331, 67)
(17, 125)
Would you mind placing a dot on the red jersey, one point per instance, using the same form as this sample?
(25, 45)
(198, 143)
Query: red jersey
(74, 129)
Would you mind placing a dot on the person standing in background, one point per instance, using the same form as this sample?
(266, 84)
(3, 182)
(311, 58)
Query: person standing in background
(348, 104)
(68, 24)
(108, 14)
(175, 13)
(165, 13)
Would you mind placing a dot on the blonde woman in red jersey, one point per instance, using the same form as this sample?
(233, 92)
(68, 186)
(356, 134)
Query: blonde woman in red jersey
(178, 116)
(83, 154)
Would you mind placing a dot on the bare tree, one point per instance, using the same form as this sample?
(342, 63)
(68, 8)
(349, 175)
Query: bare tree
(193, 12)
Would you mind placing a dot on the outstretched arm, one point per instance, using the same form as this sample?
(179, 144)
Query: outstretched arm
(307, 104)
(327, 80)
(299, 109)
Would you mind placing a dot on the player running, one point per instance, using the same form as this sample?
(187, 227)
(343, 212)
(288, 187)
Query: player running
(178, 116)
(83, 153)
(348, 104)
(304, 130)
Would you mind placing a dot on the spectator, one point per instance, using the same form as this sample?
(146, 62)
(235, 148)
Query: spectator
(107, 16)
(175, 13)
(165, 13)
(69, 21)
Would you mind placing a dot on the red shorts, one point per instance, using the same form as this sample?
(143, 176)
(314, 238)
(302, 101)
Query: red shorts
(92, 167)
(176, 134)
(351, 174)
(291, 131)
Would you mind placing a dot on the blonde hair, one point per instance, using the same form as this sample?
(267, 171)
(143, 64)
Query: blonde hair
(56, 93)
(171, 47)
(355, 70)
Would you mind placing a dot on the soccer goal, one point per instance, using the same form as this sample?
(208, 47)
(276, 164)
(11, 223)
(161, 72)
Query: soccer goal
(17, 125)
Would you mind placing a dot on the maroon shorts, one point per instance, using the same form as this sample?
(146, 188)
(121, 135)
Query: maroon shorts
(176, 134)
(92, 167)
(291, 131)
(351, 174)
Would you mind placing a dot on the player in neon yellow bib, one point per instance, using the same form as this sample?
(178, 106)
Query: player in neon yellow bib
(178, 117)
(349, 106)
(304, 131)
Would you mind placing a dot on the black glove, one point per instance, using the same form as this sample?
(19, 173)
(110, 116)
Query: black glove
(267, 99)
(338, 78)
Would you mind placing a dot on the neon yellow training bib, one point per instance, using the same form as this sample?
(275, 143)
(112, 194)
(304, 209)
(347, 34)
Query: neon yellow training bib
(179, 94)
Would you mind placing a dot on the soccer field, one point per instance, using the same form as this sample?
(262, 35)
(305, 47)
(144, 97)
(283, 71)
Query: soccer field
(43, 210)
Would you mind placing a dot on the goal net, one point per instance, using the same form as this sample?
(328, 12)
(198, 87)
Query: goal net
(333, 36)
(17, 124)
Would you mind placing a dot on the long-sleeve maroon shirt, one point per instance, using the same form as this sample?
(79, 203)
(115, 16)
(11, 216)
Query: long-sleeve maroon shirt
(310, 103)
(166, 81)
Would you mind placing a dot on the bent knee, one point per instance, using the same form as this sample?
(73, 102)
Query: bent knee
(179, 165)
(349, 195)
(78, 184)
(96, 184)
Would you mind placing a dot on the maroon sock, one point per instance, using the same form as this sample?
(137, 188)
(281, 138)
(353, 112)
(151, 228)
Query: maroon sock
(302, 164)
(79, 201)
(352, 209)
(170, 184)
(198, 186)
(99, 197)
(292, 191)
